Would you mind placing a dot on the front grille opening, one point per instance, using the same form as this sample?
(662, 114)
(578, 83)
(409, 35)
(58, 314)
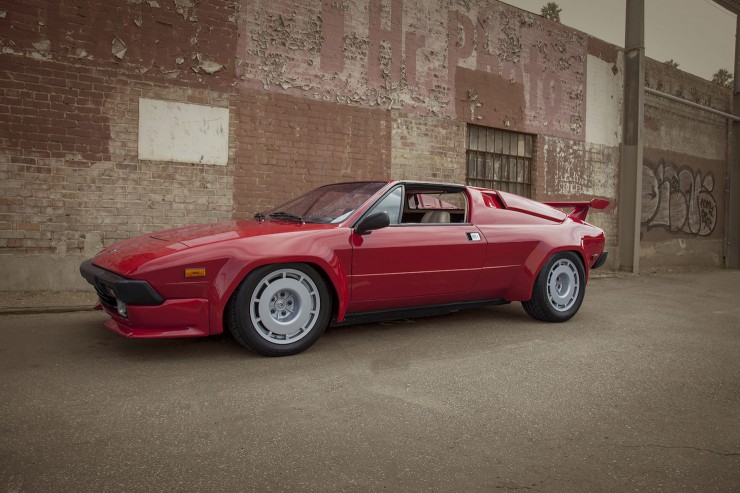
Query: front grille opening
(108, 301)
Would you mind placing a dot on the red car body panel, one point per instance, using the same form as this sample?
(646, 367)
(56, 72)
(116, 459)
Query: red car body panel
(407, 265)
(173, 318)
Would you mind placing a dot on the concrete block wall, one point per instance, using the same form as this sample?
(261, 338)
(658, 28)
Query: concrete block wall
(684, 171)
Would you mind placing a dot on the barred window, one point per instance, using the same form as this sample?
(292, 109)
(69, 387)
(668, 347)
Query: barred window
(499, 159)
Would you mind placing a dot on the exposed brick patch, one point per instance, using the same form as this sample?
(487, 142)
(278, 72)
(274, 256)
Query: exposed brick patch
(428, 148)
(574, 170)
(73, 200)
(51, 113)
(288, 145)
(70, 177)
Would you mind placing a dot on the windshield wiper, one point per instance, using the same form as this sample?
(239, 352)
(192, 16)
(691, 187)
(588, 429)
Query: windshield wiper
(287, 216)
(260, 216)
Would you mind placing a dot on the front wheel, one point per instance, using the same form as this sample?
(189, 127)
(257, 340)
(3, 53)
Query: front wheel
(558, 290)
(279, 310)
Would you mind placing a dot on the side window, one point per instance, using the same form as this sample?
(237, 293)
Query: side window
(391, 204)
(431, 206)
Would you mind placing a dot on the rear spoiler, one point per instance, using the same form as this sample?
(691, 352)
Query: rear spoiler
(580, 209)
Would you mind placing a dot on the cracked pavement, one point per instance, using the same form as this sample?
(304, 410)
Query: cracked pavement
(640, 391)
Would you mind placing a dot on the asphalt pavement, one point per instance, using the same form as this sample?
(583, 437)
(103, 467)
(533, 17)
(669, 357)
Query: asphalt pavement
(639, 392)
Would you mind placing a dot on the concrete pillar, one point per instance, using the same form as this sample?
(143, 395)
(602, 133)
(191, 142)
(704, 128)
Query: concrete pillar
(732, 233)
(630, 176)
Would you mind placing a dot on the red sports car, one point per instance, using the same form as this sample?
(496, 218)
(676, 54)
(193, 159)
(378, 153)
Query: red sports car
(350, 253)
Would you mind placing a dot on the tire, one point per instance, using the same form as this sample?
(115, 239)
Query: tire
(279, 310)
(558, 290)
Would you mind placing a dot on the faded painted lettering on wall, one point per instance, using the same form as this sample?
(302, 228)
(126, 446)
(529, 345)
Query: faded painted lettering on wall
(678, 198)
(417, 56)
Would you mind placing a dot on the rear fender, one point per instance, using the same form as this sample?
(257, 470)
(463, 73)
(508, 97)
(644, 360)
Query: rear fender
(521, 289)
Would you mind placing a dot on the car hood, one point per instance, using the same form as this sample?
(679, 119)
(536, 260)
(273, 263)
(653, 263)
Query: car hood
(126, 257)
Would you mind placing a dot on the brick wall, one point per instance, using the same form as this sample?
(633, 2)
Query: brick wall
(428, 148)
(316, 92)
(70, 161)
(483, 62)
(288, 145)
(71, 181)
(70, 178)
(173, 41)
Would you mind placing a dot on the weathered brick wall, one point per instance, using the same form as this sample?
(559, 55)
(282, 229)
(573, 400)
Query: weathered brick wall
(483, 62)
(435, 65)
(69, 170)
(316, 92)
(70, 177)
(173, 40)
(288, 145)
(587, 167)
(684, 171)
(428, 148)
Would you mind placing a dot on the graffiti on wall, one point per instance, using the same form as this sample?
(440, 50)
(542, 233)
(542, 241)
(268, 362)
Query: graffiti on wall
(679, 199)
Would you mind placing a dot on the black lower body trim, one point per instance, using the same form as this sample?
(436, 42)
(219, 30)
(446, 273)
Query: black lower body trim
(417, 312)
(112, 287)
(601, 260)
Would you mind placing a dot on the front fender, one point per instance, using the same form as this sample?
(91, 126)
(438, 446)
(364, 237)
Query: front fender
(330, 258)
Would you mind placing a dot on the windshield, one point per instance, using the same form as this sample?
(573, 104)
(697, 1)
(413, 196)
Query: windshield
(327, 204)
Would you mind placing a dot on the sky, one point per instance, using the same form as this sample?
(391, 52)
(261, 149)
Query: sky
(698, 34)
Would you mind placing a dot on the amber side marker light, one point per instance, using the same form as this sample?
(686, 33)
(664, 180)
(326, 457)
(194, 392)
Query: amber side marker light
(195, 273)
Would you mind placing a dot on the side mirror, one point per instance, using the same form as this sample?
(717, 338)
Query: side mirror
(376, 220)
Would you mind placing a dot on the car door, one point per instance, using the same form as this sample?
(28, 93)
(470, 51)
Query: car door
(421, 261)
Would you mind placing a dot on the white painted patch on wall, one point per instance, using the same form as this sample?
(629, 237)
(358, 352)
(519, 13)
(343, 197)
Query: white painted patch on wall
(581, 168)
(604, 101)
(183, 132)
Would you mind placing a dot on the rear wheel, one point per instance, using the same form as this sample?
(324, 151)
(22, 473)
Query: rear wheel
(558, 290)
(279, 310)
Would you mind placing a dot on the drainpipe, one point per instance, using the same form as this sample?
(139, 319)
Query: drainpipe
(732, 231)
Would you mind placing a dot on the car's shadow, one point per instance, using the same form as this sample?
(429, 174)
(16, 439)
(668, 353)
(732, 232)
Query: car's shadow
(222, 345)
(437, 331)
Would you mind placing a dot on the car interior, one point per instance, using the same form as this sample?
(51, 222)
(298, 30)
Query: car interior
(424, 205)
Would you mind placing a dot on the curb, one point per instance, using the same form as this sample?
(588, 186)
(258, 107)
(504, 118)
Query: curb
(36, 310)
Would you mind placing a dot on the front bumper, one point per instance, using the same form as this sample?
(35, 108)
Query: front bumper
(112, 287)
(148, 314)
